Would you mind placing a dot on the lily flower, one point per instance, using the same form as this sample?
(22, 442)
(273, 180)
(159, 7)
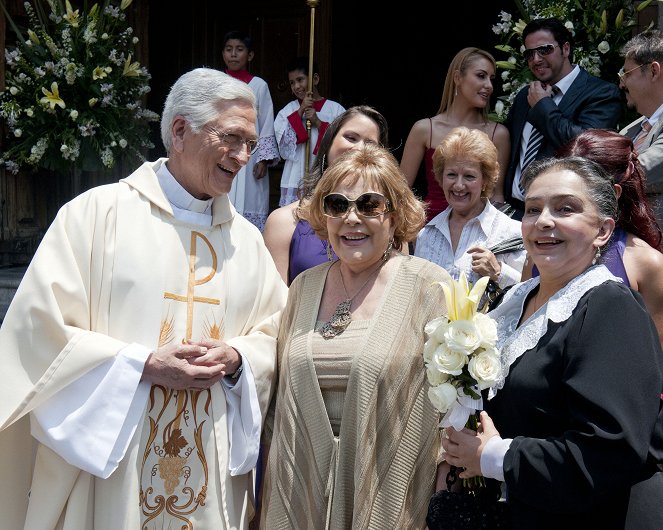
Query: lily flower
(71, 16)
(462, 301)
(131, 69)
(52, 97)
(99, 73)
(124, 4)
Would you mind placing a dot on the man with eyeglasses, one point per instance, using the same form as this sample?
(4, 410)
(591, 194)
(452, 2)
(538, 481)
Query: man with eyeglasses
(139, 351)
(641, 79)
(559, 104)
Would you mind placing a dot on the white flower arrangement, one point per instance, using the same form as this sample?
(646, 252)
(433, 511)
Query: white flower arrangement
(600, 28)
(460, 354)
(74, 94)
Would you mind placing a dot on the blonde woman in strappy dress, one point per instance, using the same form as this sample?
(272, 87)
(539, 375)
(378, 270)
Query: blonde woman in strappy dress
(468, 88)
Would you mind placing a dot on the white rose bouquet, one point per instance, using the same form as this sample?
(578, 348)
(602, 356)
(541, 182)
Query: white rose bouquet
(460, 354)
(460, 357)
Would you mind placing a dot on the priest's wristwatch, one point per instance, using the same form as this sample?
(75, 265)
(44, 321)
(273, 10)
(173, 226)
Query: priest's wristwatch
(235, 376)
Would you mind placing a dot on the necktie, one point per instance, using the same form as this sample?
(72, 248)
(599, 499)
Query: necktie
(533, 146)
(642, 135)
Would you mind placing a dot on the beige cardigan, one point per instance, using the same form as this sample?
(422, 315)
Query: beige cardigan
(387, 454)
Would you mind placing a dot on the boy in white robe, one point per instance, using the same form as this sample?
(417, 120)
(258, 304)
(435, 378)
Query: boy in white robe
(290, 126)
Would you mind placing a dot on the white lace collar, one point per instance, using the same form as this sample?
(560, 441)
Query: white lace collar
(513, 341)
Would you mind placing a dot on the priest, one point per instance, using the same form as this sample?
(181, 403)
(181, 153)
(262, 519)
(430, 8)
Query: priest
(138, 354)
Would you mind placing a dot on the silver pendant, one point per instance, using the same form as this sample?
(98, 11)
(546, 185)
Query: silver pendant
(338, 322)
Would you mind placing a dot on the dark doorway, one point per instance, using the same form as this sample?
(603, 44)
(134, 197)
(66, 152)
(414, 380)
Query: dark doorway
(392, 59)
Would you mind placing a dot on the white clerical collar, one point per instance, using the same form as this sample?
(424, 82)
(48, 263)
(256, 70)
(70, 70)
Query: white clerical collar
(185, 206)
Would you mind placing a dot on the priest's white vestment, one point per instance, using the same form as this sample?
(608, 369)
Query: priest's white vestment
(117, 269)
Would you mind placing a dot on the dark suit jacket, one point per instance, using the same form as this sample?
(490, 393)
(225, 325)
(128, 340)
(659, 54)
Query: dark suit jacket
(589, 103)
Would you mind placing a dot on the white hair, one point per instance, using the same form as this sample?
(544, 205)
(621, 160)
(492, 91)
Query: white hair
(195, 96)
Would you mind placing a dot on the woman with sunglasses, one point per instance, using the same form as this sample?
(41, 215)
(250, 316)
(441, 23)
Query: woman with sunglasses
(458, 239)
(289, 238)
(354, 437)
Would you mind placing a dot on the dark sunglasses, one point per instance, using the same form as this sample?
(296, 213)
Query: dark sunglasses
(369, 204)
(543, 50)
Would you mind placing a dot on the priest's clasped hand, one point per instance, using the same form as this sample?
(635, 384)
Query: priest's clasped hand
(191, 365)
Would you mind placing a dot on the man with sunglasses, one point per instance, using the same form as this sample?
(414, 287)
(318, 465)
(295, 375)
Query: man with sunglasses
(558, 105)
(139, 350)
(641, 79)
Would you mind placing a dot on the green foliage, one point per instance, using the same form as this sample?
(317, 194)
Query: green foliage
(73, 95)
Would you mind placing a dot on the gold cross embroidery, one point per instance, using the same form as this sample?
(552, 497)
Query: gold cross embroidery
(190, 298)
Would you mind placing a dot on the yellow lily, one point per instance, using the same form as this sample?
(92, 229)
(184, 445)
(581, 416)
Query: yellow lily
(71, 16)
(52, 97)
(462, 301)
(99, 73)
(131, 69)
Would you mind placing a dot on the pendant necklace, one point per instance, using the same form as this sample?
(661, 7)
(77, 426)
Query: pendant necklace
(342, 317)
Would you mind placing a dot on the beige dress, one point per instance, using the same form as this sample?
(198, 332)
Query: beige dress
(379, 471)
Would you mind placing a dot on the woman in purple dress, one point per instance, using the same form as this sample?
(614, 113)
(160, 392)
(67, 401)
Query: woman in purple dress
(292, 242)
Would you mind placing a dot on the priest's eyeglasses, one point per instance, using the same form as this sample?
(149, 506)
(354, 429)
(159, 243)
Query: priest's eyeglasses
(369, 204)
(622, 75)
(235, 141)
(543, 50)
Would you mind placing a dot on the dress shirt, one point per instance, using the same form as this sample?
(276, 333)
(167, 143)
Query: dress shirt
(487, 229)
(563, 86)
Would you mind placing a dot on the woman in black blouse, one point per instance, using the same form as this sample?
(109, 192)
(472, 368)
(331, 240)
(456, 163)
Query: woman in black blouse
(575, 420)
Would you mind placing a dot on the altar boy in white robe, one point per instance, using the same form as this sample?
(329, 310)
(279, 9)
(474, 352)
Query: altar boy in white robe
(139, 351)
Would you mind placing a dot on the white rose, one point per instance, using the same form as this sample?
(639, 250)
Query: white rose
(29, 113)
(13, 91)
(447, 361)
(512, 60)
(603, 47)
(463, 336)
(431, 326)
(486, 326)
(104, 36)
(73, 114)
(485, 368)
(442, 396)
(435, 377)
(505, 75)
(123, 143)
(429, 348)
(18, 133)
(568, 25)
(499, 107)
